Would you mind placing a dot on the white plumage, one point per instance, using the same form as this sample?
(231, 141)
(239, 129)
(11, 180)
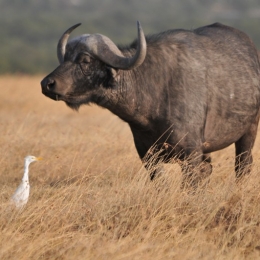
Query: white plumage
(21, 195)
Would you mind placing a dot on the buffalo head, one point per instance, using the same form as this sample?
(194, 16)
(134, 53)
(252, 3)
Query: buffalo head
(87, 64)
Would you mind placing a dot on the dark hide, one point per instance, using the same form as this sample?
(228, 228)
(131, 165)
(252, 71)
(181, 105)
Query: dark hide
(195, 93)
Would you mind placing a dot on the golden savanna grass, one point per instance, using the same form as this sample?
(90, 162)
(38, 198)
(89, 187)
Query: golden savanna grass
(91, 198)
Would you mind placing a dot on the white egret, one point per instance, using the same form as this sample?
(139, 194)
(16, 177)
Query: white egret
(21, 195)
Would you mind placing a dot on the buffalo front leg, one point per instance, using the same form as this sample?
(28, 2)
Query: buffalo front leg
(153, 163)
(157, 171)
(148, 153)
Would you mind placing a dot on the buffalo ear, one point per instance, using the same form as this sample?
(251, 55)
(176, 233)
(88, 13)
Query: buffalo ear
(113, 72)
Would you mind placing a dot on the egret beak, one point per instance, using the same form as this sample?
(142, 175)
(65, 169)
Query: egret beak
(38, 158)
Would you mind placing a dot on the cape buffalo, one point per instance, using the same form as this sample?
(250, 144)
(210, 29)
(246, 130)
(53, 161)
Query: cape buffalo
(184, 93)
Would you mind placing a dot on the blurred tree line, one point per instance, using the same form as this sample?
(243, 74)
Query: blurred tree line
(30, 29)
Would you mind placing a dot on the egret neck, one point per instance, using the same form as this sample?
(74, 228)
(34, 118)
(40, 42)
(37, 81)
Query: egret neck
(26, 171)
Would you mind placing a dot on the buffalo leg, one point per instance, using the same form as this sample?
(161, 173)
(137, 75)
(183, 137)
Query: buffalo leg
(244, 147)
(148, 153)
(157, 172)
(195, 169)
(206, 165)
(206, 158)
(153, 163)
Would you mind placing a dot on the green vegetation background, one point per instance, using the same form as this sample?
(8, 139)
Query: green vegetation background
(30, 29)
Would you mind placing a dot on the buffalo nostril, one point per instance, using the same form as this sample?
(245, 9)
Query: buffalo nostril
(50, 84)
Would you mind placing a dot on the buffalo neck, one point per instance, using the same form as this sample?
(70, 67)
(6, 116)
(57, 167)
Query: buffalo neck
(131, 98)
(125, 99)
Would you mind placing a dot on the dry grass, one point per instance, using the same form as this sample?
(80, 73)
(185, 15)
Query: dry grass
(92, 199)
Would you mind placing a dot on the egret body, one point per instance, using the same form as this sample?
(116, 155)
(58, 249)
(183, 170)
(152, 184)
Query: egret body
(21, 195)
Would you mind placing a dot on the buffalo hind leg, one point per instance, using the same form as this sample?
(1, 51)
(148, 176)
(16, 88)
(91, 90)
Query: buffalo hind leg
(244, 147)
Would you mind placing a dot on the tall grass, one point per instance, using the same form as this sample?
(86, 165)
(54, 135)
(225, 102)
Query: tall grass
(91, 198)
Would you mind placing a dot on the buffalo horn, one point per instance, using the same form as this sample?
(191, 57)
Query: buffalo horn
(104, 49)
(61, 47)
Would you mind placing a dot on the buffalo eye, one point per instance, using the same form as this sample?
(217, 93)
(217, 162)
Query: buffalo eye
(83, 58)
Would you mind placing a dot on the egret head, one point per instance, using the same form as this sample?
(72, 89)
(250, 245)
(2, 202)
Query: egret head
(31, 158)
